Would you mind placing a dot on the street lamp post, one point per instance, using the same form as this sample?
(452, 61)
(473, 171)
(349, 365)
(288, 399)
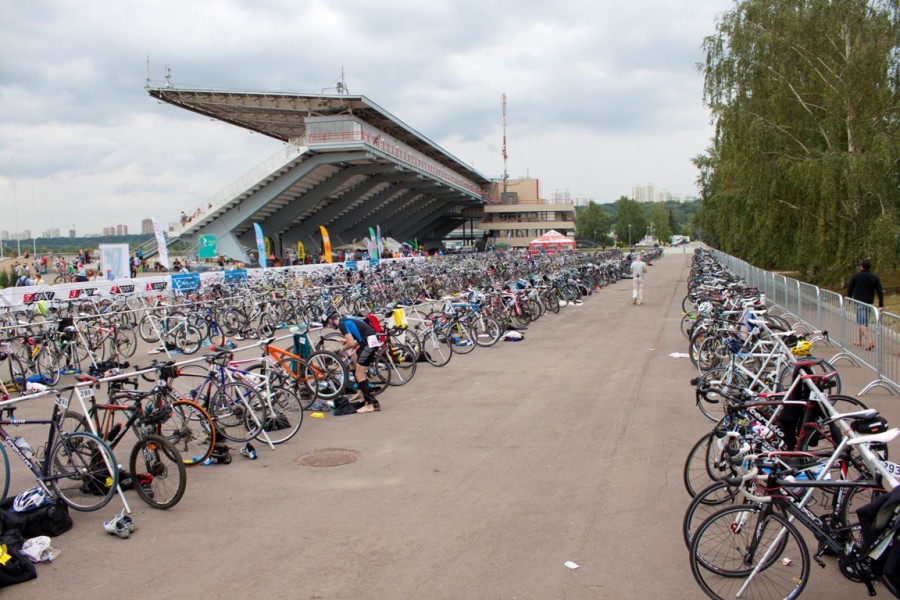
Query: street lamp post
(629, 235)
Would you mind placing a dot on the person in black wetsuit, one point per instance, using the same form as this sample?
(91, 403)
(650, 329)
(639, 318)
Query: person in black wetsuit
(862, 287)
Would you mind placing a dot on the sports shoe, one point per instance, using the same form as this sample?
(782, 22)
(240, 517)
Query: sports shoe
(249, 451)
(117, 526)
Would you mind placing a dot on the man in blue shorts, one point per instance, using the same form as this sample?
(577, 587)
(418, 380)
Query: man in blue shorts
(862, 287)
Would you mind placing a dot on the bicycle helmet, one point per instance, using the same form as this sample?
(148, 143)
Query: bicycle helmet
(802, 348)
(157, 412)
(31, 499)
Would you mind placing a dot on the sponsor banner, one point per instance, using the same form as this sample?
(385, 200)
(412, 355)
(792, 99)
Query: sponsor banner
(185, 282)
(326, 244)
(260, 245)
(115, 257)
(162, 249)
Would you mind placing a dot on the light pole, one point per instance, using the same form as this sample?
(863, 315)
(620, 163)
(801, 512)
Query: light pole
(629, 235)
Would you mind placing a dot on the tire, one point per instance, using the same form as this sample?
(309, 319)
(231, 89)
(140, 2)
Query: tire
(232, 321)
(720, 550)
(126, 342)
(284, 415)
(708, 501)
(48, 365)
(190, 430)
(702, 467)
(329, 375)
(82, 471)
(436, 347)
(155, 457)
(238, 412)
(188, 339)
(17, 372)
(487, 330)
(147, 329)
(402, 362)
(379, 374)
(710, 387)
(461, 336)
(4, 486)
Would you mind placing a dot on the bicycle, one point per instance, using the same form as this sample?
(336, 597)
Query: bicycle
(78, 467)
(157, 471)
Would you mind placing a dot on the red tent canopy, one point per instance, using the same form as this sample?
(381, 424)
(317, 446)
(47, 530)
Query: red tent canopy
(551, 242)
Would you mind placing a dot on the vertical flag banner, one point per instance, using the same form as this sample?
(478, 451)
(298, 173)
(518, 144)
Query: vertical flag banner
(161, 247)
(326, 244)
(378, 240)
(372, 234)
(206, 246)
(301, 251)
(260, 245)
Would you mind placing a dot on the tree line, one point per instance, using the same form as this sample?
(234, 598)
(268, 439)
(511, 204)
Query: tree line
(803, 171)
(627, 221)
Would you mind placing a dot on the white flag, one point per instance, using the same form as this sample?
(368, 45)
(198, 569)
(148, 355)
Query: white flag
(161, 243)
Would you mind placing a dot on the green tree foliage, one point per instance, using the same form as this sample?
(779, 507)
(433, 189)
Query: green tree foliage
(592, 223)
(659, 221)
(630, 212)
(802, 173)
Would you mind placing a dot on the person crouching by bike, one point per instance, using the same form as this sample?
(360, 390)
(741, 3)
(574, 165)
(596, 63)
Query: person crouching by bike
(358, 335)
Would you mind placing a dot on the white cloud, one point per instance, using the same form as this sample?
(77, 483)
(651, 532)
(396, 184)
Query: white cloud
(601, 95)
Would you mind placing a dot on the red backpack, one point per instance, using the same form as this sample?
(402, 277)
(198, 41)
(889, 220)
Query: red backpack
(373, 320)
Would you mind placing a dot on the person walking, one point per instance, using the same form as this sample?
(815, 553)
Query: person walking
(638, 270)
(862, 287)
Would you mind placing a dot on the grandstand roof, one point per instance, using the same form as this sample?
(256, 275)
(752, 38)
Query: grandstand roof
(280, 115)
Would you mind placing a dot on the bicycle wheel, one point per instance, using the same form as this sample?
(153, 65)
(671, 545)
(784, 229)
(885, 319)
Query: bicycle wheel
(190, 430)
(742, 547)
(712, 499)
(284, 415)
(157, 472)
(17, 372)
(48, 365)
(148, 329)
(4, 487)
(436, 347)
(712, 390)
(487, 331)
(461, 336)
(238, 412)
(232, 321)
(330, 373)
(402, 363)
(126, 342)
(82, 471)
(702, 467)
(188, 339)
(379, 374)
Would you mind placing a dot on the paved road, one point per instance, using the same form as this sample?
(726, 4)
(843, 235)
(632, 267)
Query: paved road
(477, 480)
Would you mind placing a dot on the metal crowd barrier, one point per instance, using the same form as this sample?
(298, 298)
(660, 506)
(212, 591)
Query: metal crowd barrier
(864, 336)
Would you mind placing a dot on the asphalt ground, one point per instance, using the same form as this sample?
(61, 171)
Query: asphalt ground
(476, 480)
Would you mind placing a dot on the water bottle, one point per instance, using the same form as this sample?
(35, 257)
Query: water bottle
(22, 445)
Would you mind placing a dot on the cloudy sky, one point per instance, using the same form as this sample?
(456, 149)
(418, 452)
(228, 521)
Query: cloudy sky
(601, 94)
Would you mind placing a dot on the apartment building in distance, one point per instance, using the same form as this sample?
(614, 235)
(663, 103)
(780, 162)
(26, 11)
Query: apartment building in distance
(521, 215)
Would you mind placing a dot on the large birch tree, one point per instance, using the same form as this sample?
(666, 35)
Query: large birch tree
(802, 172)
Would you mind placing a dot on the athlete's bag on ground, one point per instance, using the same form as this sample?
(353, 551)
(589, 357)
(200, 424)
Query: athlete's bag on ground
(14, 568)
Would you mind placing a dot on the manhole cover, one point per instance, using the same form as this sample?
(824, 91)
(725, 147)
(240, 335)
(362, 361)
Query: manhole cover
(329, 457)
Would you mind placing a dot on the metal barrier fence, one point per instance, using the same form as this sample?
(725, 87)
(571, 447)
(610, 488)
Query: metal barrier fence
(864, 336)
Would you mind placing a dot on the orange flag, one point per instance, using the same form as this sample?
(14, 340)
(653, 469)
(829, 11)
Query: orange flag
(326, 244)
